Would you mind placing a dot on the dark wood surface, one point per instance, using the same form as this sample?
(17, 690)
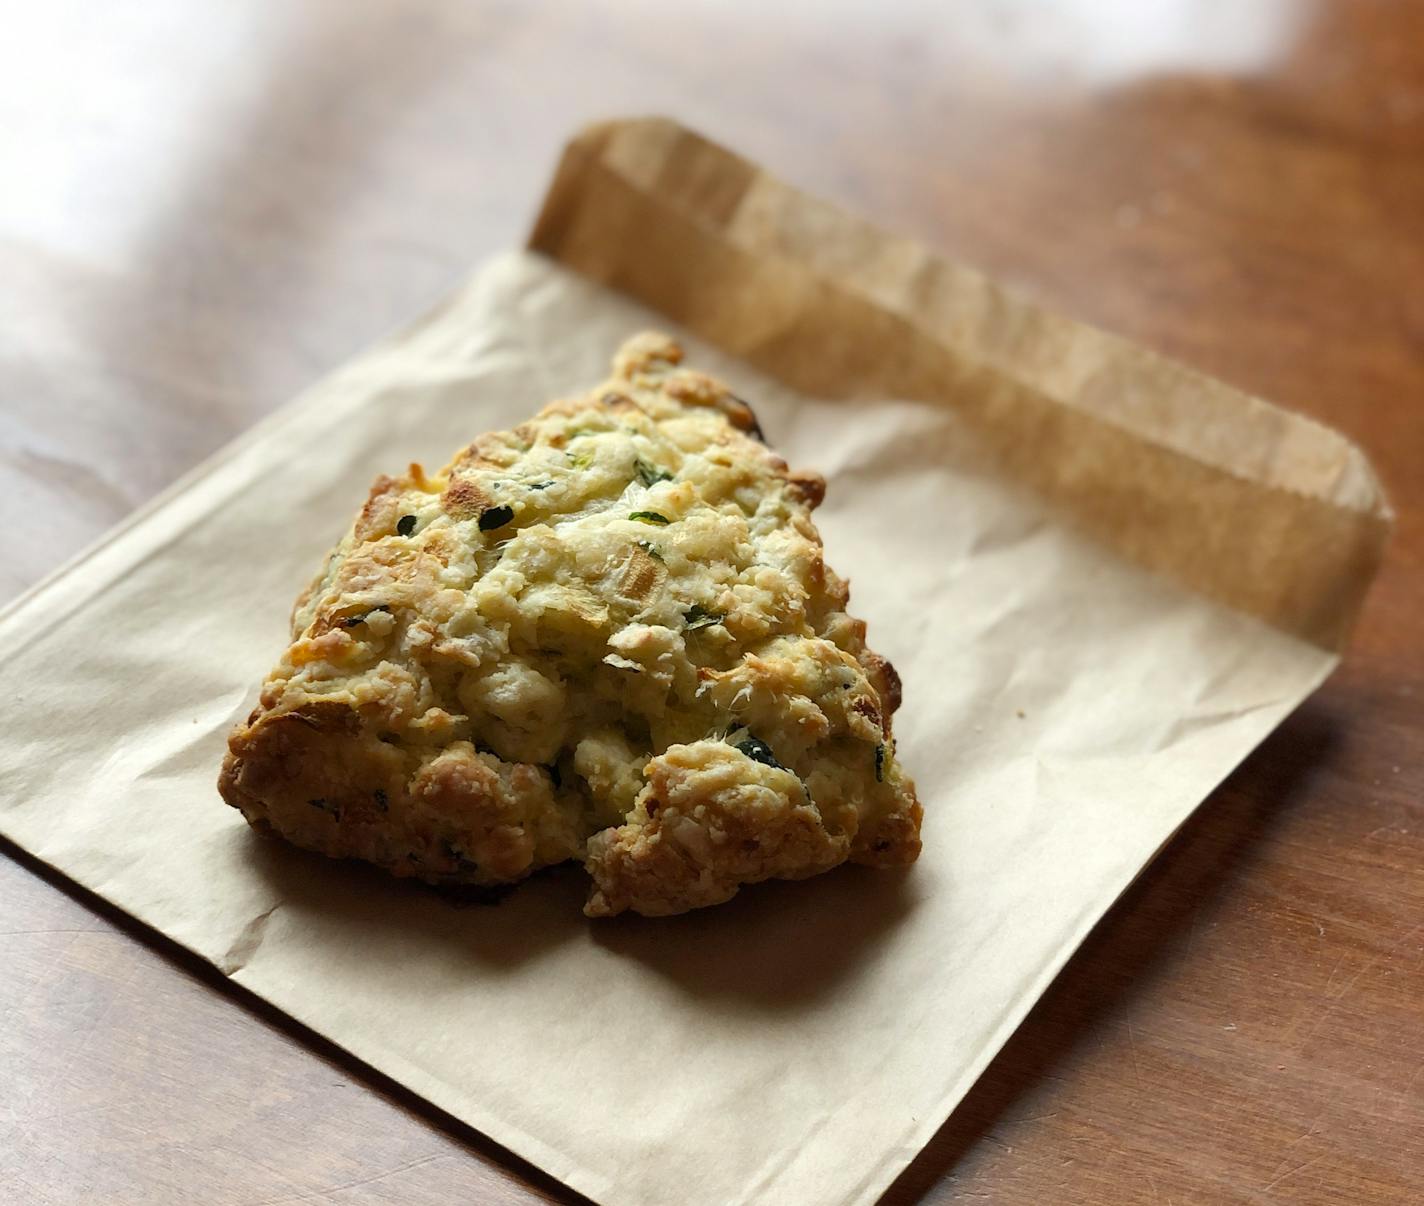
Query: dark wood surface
(204, 206)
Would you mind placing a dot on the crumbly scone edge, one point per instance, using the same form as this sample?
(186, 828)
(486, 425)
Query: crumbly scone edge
(607, 635)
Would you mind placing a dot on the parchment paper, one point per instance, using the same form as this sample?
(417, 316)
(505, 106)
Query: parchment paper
(1075, 684)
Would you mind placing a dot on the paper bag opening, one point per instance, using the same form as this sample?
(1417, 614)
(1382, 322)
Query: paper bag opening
(1248, 504)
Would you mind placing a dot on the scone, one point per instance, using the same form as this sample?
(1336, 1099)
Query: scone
(607, 635)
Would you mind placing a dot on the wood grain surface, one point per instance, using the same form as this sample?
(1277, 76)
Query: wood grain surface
(204, 206)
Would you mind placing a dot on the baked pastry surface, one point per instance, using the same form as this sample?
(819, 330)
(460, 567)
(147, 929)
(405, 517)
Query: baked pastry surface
(608, 635)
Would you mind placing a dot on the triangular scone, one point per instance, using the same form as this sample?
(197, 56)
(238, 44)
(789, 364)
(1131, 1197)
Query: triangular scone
(606, 635)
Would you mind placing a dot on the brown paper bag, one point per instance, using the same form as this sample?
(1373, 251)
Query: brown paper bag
(1103, 577)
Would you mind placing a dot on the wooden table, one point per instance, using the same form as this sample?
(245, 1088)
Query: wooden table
(204, 206)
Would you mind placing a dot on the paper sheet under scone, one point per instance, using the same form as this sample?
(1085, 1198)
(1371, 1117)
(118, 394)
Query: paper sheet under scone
(1065, 710)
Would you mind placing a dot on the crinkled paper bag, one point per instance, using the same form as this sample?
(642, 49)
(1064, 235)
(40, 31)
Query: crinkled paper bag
(1104, 579)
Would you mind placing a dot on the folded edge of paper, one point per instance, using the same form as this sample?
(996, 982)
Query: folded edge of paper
(1252, 505)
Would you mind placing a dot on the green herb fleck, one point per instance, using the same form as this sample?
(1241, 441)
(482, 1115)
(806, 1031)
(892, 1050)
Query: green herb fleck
(650, 517)
(650, 475)
(651, 549)
(405, 525)
(463, 862)
(540, 485)
(759, 751)
(361, 616)
(698, 616)
(581, 459)
(880, 763)
(495, 517)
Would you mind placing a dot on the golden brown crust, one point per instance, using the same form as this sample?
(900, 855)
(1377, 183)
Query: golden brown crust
(464, 499)
(884, 678)
(608, 635)
(809, 487)
(709, 821)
